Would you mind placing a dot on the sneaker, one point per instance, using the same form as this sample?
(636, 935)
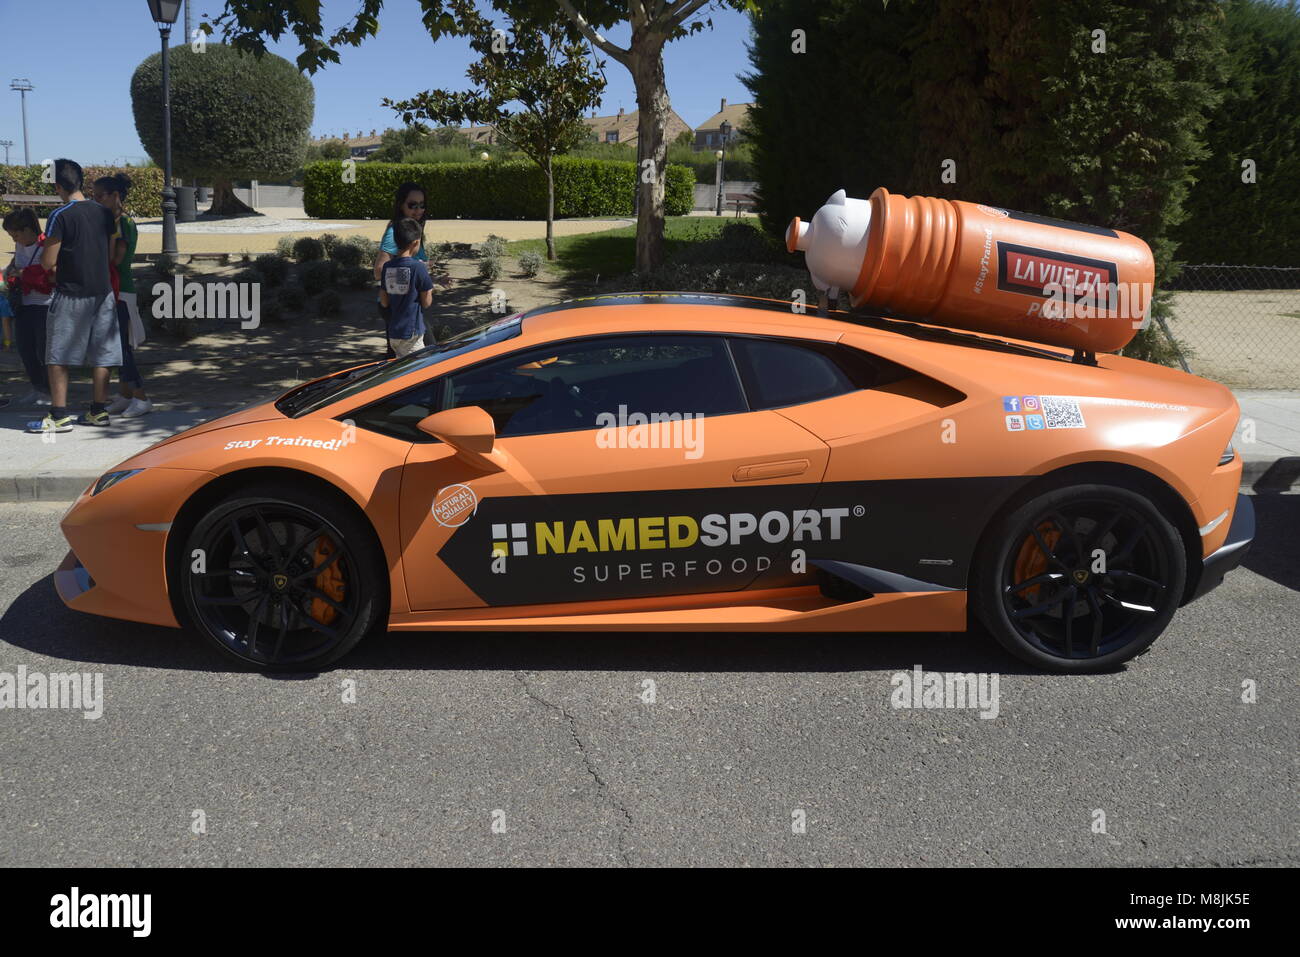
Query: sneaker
(118, 405)
(51, 424)
(93, 418)
(35, 398)
(136, 408)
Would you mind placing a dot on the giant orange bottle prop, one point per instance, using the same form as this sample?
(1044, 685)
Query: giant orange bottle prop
(980, 268)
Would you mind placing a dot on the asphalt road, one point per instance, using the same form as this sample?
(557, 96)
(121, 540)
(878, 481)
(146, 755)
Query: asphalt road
(744, 732)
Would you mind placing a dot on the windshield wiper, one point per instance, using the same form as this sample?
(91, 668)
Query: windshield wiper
(295, 398)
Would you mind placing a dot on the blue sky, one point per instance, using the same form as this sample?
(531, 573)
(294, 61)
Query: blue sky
(81, 106)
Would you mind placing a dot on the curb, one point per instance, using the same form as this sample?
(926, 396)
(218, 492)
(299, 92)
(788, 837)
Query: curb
(1267, 476)
(44, 486)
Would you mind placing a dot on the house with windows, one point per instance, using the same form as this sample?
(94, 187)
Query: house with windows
(708, 135)
(358, 147)
(621, 127)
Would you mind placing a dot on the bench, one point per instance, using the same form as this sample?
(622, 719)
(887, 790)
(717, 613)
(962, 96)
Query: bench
(741, 199)
(24, 199)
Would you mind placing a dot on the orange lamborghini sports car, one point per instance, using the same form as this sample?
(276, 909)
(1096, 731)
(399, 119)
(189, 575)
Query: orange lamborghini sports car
(684, 462)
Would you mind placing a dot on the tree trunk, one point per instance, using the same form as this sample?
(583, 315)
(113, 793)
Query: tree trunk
(550, 209)
(647, 66)
(225, 202)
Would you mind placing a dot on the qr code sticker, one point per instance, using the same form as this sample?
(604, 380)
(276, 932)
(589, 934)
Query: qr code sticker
(1062, 412)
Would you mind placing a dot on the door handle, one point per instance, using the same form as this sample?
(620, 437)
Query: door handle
(770, 470)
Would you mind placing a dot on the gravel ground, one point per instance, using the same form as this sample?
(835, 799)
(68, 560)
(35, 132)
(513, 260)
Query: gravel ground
(1242, 339)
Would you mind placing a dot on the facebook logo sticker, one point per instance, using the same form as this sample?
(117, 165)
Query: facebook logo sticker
(1034, 421)
(1011, 403)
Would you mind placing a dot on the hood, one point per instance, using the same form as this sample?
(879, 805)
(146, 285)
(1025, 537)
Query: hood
(262, 412)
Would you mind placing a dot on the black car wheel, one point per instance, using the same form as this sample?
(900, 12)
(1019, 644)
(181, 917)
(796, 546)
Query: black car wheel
(284, 580)
(1079, 578)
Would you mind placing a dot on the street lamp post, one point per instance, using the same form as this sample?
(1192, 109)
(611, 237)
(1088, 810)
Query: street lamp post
(23, 86)
(721, 154)
(164, 14)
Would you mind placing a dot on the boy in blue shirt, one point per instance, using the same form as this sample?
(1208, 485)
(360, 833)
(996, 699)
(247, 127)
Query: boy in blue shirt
(407, 289)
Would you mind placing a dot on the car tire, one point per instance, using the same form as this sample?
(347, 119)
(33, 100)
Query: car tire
(1079, 578)
(245, 576)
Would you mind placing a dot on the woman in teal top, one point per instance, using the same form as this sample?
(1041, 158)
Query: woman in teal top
(409, 204)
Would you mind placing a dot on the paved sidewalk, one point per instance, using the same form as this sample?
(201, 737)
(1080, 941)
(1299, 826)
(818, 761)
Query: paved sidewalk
(61, 470)
(1268, 438)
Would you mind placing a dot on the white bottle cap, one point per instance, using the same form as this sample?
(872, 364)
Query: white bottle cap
(835, 241)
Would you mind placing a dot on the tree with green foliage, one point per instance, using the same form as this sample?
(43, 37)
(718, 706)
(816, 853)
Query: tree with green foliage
(1091, 111)
(396, 146)
(542, 67)
(1244, 207)
(327, 150)
(234, 116)
(654, 23)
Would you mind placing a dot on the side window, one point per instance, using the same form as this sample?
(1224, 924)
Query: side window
(565, 387)
(399, 415)
(778, 372)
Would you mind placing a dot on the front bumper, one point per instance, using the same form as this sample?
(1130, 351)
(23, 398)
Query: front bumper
(1233, 550)
(118, 564)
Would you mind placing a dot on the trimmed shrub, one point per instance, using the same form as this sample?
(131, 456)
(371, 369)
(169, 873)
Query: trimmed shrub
(369, 248)
(346, 255)
(439, 253)
(272, 267)
(530, 264)
(507, 190)
(308, 249)
(284, 247)
(329, 241)
(494, 247)
(272, 309)
(489, 268)
(329, 303)
(318, 276)
(144, 201)
(358, 277)
(234, 116)
(292, 298)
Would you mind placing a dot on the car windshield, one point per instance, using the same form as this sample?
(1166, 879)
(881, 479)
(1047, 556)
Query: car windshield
(315, 395)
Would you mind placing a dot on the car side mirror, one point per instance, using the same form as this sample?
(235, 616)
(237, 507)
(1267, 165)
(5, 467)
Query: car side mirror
(470, 431)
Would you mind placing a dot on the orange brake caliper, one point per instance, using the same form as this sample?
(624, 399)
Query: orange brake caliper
(330, 582)
(1031, 561)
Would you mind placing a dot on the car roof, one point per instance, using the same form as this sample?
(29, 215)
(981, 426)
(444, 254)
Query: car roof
(724, 312)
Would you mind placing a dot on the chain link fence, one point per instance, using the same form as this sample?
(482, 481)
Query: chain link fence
(1239, 325)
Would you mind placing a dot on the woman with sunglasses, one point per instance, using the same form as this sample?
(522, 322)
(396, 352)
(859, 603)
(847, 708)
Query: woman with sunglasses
(408, 204)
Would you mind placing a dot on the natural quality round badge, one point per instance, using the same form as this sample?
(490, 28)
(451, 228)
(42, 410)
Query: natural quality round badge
(454, 505)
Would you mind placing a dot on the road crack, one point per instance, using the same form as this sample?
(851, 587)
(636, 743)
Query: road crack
(602, 786)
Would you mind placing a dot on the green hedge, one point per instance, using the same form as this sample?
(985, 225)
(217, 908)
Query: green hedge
(144, 200)
(488, 190)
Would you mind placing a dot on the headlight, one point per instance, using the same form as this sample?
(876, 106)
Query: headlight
(1228, 454)
(109, 479)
